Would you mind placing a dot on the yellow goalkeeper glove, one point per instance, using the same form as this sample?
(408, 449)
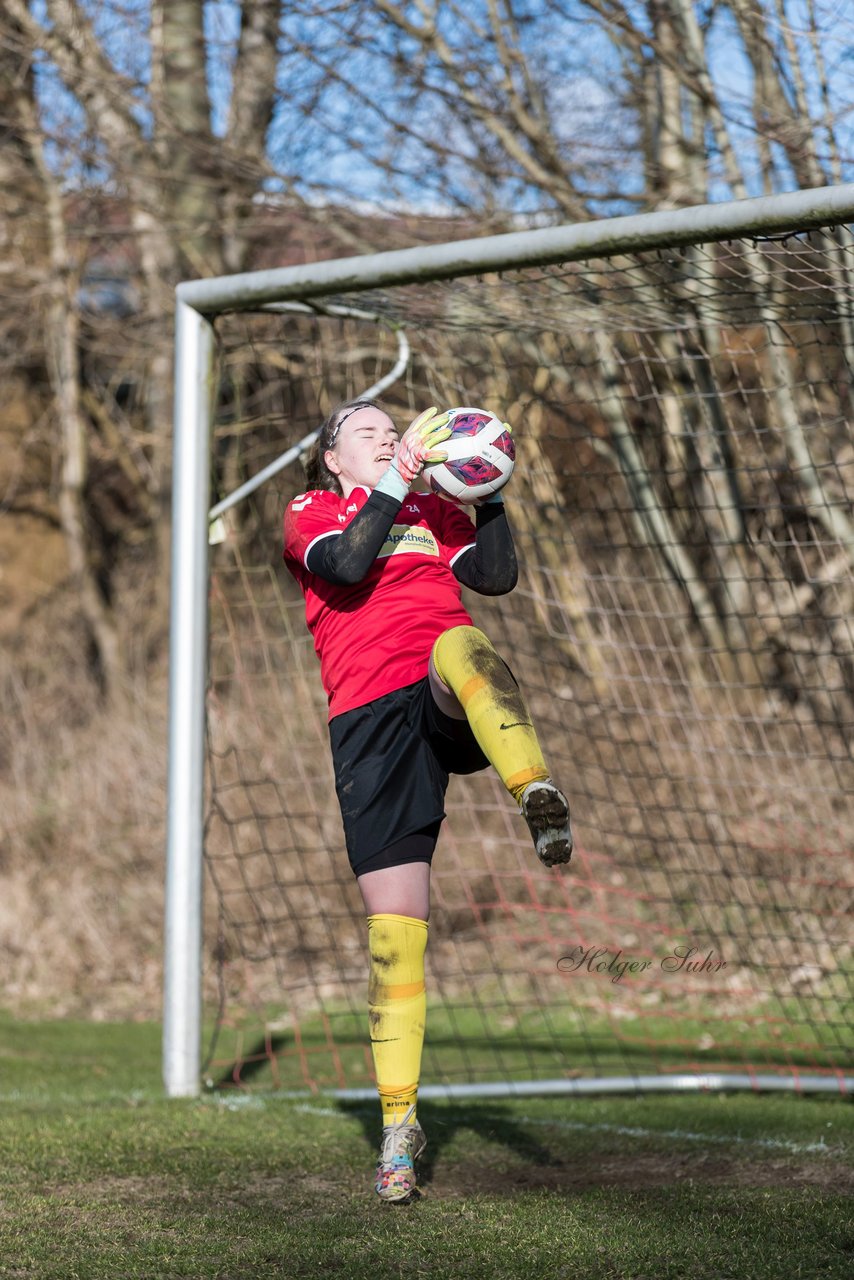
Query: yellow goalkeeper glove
(418, 443)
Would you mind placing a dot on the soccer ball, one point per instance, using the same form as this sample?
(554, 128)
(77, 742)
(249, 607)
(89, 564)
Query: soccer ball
(481, 457)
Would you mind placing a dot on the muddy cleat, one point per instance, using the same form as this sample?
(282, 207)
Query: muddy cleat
(402, 1145)
(546, 811)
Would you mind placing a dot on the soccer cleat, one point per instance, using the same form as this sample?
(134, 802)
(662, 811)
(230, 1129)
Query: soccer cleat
(546, 811)
(402, 1145)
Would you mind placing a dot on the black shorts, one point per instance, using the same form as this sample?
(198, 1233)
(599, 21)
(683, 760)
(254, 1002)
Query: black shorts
(392, 759)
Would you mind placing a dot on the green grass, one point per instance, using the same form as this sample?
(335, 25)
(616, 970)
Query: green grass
(102, 1177)
(496, 1041)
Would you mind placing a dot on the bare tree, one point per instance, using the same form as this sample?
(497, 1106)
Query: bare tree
(188, 193)
(497, 110)
(482, 71)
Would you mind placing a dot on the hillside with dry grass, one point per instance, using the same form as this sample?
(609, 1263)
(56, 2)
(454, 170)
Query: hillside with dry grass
(680, 627)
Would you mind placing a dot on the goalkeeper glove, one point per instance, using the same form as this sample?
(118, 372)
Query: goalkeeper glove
(418, 444)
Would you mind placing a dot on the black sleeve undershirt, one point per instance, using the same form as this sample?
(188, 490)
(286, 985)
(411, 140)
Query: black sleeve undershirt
(489, 567)
(344, 558)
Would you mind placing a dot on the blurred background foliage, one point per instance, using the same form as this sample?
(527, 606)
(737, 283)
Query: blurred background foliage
(144, 143)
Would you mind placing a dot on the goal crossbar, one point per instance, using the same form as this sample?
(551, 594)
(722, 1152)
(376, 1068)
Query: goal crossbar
(571, 242)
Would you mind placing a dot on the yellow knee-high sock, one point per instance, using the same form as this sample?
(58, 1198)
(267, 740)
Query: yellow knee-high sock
(468, 664)
(397, 1007)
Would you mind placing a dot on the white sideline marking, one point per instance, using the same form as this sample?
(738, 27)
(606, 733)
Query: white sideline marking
(241, 1102)
(626, 1131)
(327, 1111)
(799, 1148)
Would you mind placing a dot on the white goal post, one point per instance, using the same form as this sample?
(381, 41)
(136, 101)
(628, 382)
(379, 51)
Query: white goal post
(198, 302)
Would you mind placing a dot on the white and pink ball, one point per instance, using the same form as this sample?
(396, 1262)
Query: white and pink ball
(481, 457)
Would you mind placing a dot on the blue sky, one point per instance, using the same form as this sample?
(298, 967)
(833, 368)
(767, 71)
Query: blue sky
(333, 135)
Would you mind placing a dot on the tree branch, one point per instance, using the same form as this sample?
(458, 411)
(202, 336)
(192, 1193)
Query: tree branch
(253, 91)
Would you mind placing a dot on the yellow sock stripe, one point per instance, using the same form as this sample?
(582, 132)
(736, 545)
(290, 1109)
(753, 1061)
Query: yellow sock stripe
(396, 1090)
(398, 991)
(521, 779)
(383, 915)
(469, 689)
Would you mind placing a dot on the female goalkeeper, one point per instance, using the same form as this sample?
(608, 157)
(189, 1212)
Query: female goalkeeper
(416, 692)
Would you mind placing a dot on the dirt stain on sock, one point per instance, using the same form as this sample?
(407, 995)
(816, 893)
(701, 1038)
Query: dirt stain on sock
(489, 664)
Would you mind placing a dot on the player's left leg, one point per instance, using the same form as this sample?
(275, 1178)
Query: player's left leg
(392, 797)
(468, 678)
(397, 1006)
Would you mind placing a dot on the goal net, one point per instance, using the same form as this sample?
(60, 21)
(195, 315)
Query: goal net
(682, 630)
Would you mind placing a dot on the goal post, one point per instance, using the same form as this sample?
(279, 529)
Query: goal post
(199, 304)
(188, 646)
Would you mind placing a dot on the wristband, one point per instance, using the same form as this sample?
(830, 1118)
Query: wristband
(392, 484)
(493, 500)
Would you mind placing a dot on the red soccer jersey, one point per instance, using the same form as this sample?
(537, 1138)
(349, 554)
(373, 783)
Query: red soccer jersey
(377, 635)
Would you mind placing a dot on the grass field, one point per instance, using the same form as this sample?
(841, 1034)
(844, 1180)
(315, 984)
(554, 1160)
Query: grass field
(494, 1040)
(102, 1177)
